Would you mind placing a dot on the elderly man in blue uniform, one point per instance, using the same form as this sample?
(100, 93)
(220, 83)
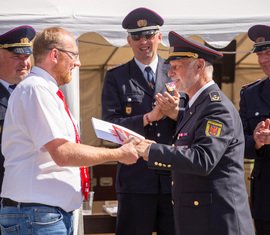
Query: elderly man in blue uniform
(206, 160)
(15, 64)
(128, 97)
(254, 112)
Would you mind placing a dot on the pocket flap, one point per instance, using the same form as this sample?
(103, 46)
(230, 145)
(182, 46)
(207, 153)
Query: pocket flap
(196, 199)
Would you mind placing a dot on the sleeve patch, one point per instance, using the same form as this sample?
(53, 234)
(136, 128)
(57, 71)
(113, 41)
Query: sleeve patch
(213, 128)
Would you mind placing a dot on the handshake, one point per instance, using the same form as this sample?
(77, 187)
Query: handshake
(135, 148)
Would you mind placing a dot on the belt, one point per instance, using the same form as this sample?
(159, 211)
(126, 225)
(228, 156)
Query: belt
(9, 202)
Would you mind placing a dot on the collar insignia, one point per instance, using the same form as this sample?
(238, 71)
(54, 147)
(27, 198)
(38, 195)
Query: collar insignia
(215, 96)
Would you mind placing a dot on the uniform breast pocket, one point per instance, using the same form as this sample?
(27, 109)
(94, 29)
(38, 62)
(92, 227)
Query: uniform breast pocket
(195, 207)
(257, 115)
(196, 199)
(133, 103)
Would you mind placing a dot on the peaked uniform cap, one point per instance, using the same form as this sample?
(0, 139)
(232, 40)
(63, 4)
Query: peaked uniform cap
(182, 47)
(260, 34)
(18, 40)
(142, 19)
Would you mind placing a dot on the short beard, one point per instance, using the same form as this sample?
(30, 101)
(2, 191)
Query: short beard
(62, 78)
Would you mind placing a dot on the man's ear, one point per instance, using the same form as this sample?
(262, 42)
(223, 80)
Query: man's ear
(129, 39)
(160, 36)
(54, 55)
(200, 64)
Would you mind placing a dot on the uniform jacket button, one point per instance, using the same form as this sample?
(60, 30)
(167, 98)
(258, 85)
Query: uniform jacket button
(196, 203)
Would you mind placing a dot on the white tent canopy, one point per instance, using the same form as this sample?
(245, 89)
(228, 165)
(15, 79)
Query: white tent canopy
(216, 22)
(212, 20)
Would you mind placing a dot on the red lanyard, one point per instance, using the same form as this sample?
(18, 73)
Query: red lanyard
(85, 179)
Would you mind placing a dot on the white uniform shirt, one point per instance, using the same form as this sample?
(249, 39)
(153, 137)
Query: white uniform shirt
(153, 65)
(35, 116)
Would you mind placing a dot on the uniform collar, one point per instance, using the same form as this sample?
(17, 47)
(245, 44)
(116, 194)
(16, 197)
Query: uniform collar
(6, 85)
(153, 65)
(193, 99)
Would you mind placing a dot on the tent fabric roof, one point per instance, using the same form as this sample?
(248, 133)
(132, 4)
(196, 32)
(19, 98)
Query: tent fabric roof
(215, 22)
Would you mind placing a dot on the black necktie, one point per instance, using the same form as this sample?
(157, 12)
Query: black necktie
(12, 87)
(187, 107)
(150, 77)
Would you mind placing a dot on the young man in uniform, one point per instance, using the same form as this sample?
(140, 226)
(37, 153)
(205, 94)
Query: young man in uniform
(128, 97)
(254, 112)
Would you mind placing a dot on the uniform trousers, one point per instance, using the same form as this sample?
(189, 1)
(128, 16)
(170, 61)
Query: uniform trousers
(142, 214)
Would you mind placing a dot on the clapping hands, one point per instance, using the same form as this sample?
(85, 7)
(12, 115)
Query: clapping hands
(261, 134)
(168, 104)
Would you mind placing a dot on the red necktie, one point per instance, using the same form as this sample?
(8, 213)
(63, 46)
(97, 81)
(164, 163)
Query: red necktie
(85, 180)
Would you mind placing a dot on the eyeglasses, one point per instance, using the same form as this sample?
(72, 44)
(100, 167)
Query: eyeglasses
(72, 55)
(137, 37)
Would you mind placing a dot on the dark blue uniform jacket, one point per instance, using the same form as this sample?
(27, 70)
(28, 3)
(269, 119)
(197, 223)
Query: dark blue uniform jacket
(4, 95)
(254, 108)
(126, 97)
(209, 191)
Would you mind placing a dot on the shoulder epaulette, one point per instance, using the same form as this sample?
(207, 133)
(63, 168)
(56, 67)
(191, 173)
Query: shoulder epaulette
(115, 67)
(250, 84)
(215, 96)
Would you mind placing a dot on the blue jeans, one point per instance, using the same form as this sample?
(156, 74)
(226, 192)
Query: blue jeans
(38, 220)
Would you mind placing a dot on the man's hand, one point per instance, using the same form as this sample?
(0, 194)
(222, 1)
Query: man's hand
(261, 134)
(129, 153)
(143, 148)
(169, 105)
(154, 115)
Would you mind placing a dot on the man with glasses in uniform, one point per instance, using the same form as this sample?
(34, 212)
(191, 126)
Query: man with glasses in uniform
(128, 98)
(43, 183)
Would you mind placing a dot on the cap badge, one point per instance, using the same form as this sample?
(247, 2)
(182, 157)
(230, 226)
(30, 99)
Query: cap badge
(260, 39)
(24, 40)
(142, 23)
